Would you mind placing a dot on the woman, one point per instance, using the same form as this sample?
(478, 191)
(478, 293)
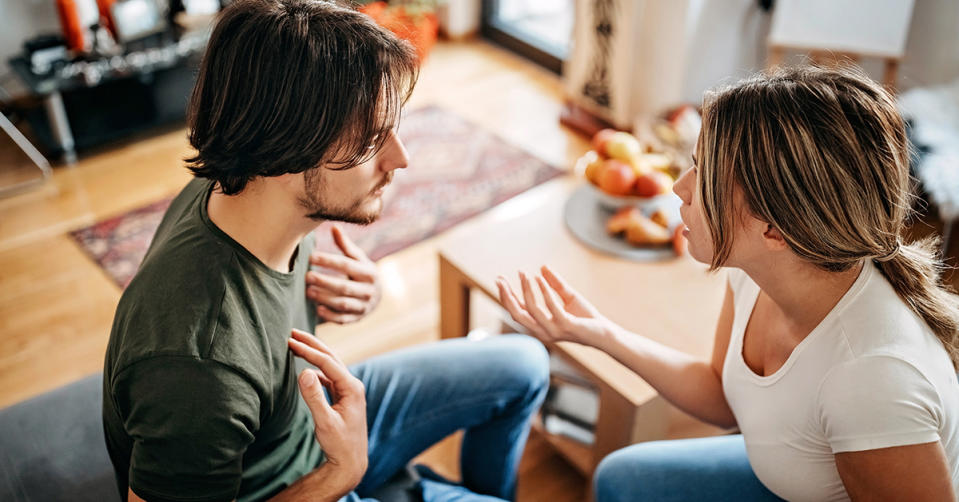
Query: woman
(836, 347)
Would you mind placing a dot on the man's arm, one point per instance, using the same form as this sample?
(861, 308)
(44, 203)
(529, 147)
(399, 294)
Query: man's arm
(325, 484)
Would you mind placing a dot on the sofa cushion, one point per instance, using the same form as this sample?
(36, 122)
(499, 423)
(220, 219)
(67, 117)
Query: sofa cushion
(52, 448)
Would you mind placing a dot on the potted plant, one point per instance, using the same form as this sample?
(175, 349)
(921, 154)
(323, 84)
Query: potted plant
(412, 20)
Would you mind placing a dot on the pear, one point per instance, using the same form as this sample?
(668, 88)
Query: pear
(642, 231)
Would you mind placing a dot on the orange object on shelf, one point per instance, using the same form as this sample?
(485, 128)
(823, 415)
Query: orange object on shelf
(69, 13)
(106, 17)
(420, 30)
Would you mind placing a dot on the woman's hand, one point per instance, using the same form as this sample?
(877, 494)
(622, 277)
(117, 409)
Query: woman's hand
(567, 316)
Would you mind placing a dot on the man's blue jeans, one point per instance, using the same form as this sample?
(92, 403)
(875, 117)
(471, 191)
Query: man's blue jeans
(715, 469)
(418, 396)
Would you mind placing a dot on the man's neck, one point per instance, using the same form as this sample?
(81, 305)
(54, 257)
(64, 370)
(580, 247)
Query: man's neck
(264, 220)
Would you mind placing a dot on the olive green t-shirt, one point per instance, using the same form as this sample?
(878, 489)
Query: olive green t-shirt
(200, 400)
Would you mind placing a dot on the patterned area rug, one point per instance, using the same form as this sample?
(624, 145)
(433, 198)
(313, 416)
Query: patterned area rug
(456, 170)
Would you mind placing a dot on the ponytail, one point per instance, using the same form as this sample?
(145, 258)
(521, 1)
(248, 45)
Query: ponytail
(915, 272)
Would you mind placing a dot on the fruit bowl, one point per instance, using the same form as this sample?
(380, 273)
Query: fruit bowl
(613, 202)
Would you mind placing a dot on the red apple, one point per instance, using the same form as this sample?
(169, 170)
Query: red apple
(653, 183)
(600, 139)
(616, 178)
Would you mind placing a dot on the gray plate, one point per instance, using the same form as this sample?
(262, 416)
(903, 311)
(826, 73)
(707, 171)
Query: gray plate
(586, 219)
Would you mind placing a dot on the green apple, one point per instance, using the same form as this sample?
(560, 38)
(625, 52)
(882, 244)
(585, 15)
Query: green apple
(623, 146)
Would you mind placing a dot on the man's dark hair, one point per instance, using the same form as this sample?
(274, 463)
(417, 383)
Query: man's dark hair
(286, 85)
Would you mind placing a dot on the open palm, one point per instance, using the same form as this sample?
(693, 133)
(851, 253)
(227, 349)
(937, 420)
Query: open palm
(567, 316)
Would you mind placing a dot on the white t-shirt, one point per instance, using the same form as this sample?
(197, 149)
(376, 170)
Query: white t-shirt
(870, 375)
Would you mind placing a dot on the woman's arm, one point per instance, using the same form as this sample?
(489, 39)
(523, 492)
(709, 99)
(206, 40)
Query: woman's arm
(692, 385)
(916, 472)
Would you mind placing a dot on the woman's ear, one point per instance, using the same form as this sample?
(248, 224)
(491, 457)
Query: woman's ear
(773, 239)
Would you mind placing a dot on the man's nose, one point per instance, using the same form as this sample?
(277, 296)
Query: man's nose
(394, 154)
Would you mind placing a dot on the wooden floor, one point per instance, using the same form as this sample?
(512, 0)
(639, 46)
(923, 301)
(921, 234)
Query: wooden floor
(56, 305)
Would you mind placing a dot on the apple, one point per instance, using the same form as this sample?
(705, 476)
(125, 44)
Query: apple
(658, 161)
(652, 183)
(616, 178)
(600, 139)
(593, 167)
(623, 146)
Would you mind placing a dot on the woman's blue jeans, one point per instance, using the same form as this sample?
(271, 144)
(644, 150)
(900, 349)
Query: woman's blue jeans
(714, 469)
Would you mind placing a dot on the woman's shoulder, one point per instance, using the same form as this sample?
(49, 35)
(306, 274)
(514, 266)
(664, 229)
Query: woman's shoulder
(879, 322)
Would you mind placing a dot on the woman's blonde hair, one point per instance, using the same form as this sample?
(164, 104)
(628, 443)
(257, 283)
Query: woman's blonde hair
(821, 155)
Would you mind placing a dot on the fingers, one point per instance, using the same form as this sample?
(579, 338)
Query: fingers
(346, 245)
(312, 391)
(532, 306)
(551, 302)
(330, 315)
(342, 287)
(316, 343)
(566, 293)
(354, 269)
(340, 304)
(318, 354)
(343, 384)
(515, 308)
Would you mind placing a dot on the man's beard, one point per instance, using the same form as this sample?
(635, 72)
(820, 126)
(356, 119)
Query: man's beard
(318, 211)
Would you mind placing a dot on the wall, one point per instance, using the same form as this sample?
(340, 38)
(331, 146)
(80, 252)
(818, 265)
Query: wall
(932, 47)
(23, 19)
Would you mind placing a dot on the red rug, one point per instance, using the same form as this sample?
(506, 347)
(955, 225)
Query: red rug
(457, 170)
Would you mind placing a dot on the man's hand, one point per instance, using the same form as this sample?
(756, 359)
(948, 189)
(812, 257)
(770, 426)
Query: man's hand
(340, 427)
(343, 299)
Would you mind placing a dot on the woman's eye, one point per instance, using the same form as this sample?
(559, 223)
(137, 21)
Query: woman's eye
(373, 144)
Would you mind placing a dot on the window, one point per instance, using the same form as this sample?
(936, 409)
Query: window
(540, 30)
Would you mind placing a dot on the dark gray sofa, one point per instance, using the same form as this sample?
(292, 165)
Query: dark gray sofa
(52, 449)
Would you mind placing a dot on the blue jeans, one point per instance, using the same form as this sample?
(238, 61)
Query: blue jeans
(713, 469)
(418, 396)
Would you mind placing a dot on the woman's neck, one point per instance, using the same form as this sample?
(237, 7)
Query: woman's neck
(803, 293)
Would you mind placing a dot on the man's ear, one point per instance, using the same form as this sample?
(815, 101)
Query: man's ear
(773, 238)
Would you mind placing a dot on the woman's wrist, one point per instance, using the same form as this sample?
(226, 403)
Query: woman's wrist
(611, 337)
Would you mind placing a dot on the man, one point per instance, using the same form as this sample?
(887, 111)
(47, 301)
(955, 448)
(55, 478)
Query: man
(293, 121)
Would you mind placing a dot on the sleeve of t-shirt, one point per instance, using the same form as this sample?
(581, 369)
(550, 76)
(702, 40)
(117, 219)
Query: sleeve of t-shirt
(876, 402)
(191, 421)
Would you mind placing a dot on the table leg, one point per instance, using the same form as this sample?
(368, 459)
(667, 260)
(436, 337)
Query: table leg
(454, 301)
(622, 423)
(57, 114)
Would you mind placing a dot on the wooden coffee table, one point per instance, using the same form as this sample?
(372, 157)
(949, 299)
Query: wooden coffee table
(675, 302)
